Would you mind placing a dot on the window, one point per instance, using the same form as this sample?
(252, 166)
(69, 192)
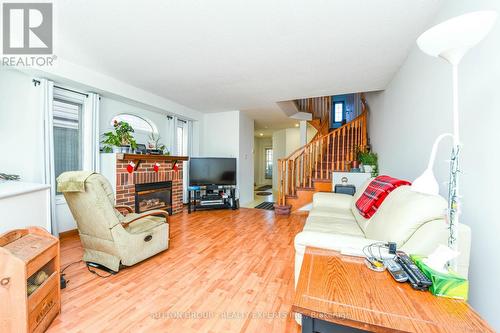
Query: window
(269, 163)
(137, 123)
(180, 140)
(67, 136)
(338, 112)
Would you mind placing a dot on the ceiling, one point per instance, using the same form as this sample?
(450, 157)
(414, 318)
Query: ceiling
(242, 55)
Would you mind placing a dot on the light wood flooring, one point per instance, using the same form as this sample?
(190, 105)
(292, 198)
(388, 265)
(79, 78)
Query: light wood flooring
(225, 271)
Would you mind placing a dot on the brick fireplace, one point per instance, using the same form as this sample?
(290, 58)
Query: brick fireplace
(115, 166)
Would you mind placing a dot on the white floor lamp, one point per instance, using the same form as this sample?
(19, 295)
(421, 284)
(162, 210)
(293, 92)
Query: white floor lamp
(450, 40)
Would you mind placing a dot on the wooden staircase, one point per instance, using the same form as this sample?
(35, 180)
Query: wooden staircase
(309, 169)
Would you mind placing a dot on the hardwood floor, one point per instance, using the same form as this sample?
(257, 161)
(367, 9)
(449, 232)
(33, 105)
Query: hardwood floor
(225, 271)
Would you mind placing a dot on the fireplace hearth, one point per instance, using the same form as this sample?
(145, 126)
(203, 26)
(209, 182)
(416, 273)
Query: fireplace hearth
(149, 196)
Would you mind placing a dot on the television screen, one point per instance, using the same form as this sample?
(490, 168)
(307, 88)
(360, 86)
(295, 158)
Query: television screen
(212, 171)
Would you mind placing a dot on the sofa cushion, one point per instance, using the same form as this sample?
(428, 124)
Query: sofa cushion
(403, 212)
(333, 225)
(328, 211)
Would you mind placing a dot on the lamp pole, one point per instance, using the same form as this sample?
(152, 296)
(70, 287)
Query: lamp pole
(453, 186)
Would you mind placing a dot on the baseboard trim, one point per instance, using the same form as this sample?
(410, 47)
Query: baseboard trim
(69, 233)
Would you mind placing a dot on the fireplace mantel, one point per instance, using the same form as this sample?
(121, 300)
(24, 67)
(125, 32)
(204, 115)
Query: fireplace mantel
(148, 157)
(148, 169)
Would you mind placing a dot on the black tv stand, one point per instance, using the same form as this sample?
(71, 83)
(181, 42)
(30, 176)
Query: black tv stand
(212, 197)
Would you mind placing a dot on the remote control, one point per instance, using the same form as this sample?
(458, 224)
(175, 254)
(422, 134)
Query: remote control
(417, 278)
(396, 270)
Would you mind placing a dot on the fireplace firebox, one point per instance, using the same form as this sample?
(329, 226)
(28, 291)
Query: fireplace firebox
(151, 196)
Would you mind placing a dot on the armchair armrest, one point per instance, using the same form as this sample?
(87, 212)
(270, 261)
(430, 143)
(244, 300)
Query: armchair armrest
(127, 208)
(148, 213)
(330, 199)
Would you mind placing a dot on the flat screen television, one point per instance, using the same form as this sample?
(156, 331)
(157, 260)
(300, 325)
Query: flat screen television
(212, 171)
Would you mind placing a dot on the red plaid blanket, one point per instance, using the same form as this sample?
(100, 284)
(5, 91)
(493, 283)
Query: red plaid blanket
(375, 193)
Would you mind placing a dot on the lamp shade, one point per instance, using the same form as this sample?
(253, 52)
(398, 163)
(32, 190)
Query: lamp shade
(426, 183)
(451, 39)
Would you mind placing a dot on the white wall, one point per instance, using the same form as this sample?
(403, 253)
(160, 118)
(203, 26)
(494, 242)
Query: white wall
(245, 161)
(220, 134)
(230, 134)
(416, 107)
(260, 145)
(279, 152)
(84, 78)
(21, 126)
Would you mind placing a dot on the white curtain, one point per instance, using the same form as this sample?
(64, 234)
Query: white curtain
(47, 99)
(170, 139)
(185, 168)
(90, 123)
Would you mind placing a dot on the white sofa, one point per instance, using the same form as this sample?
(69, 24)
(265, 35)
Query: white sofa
(415, 221)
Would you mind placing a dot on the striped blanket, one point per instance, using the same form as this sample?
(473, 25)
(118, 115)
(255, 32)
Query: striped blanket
(375, 193)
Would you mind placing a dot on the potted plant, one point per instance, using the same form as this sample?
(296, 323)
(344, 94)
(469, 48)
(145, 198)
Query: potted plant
(154, 143)
(369, 161)
(120, 140)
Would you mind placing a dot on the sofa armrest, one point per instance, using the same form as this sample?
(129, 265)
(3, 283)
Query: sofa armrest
(330, 199)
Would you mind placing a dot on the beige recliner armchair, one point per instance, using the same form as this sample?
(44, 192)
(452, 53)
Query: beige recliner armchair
(108, 237)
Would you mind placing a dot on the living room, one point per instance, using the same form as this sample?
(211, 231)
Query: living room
(137, 148)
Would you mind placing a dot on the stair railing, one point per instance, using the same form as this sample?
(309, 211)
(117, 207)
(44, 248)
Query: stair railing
(320, 108)
(320, 157)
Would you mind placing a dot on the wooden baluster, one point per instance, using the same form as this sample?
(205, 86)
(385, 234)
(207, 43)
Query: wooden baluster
(333, 155)
(349, 142)
(328, 155)
(315, 159)
(280, 190)
(321, 157)
(287, 177)
(343, 149)
(318, 147)
(356, 143)
(308, 173)
(283, 174)
(286, 189)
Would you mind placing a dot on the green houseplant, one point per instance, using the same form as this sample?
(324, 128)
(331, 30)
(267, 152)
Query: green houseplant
(120, 139)
(369, 160)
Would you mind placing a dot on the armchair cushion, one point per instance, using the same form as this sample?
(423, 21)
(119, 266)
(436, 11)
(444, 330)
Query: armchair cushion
(142, 224)
(145, 224)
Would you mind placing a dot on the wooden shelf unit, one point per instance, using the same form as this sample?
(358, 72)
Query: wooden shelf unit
(27, 255)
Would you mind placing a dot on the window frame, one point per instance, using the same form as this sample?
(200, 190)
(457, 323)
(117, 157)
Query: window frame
(154, 128)
(335, 103)
(64, 95)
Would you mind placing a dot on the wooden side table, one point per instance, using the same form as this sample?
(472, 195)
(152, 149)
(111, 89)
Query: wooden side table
(339, 293)
(30, 293)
